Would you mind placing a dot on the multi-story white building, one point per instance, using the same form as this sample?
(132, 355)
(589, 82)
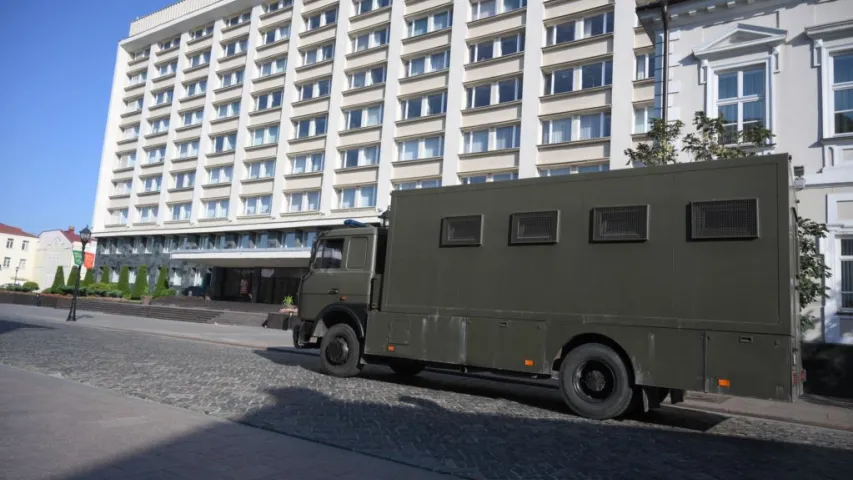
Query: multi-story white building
(238, 128)
(17, 255)
(786, 65)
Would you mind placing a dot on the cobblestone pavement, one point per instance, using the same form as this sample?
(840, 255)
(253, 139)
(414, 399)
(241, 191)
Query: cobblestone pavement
(471, 428)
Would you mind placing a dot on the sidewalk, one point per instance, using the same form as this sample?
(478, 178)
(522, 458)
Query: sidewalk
(56, 428)
(806, 411)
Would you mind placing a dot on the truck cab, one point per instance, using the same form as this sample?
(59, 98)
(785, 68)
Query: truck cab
(342, 283)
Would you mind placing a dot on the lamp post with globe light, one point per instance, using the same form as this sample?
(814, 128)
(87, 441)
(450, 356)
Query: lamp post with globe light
(85, 236)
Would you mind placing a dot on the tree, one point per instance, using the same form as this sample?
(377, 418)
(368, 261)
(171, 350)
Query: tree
(124, 281)
(58, 281)
(162, 284)
(72, 276)
(105, 275)
(140, 286)
(712, 141)
(89, 278)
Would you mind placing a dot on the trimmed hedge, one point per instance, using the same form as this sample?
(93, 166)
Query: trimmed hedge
(140, 286)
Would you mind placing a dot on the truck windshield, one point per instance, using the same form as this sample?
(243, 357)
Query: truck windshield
(328, 254)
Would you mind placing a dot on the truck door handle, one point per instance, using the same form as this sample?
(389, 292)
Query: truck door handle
(333, 291)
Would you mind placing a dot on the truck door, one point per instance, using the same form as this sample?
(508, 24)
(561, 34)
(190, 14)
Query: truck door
(340, 273)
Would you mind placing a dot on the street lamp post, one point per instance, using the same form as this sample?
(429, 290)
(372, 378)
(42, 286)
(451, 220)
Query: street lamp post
(15, 282)
(85, 236)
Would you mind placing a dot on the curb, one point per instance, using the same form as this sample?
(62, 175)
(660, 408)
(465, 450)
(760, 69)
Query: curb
(775, 418)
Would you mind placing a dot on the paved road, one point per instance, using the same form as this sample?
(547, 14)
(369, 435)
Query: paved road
(467, 427)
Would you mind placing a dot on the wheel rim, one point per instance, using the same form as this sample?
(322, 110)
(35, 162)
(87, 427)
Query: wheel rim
(337, 352)
(594, 381)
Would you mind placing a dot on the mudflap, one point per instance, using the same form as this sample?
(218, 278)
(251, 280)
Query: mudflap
(676, 396)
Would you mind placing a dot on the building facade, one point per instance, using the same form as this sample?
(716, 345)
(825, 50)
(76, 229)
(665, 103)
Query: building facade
(786, 65)
(55, 250)
(17, 255)
(237, 129)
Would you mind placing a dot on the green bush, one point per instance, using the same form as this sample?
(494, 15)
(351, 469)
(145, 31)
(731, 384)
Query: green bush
(30, 286)
(124, 280)
(166, 292)
(89, 278)
(162, 283)
(140, 286)
(105, 275)
(58, 281)
(97, 290)
(115, 294)
(66, 290)
(72, 276)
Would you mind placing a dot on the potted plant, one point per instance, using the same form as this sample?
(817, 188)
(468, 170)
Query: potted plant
(287, 305)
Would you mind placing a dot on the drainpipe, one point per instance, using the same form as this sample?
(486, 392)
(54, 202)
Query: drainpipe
(664, 13)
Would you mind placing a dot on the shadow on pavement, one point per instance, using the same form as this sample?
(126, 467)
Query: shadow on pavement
(7, 326)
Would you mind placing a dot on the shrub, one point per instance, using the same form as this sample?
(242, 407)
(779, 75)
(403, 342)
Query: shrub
(162, 284)
(30, 286)
(72, 276)
(58, 280)
(140, 286)
(66, 290)
(166, 292)
(89, 278)
(105, 275)
(124, 280)
(115, 294)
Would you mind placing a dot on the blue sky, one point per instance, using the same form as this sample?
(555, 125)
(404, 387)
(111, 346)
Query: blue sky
(54, 88)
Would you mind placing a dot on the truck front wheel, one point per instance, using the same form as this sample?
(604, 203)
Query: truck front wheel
(340, 351)
(595, 383)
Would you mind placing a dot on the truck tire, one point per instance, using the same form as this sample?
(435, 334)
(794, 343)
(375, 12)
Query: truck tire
(595, 383)
(340, 352)
(405, 367)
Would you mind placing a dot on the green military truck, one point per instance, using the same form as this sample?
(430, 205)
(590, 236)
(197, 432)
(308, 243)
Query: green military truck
(626, 286)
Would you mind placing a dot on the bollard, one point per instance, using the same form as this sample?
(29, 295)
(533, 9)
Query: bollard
(38, 299)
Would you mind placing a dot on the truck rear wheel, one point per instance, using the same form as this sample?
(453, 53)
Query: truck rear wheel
(340, 351)
(595, 383)
(405, 367)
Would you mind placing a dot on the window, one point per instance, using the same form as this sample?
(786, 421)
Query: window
(134, 105)
(370, 40)
(131, 132)
(193, 118)
(273, 67)
(365, 6)
(184, 180)
(421, 148)
(278, 5)
(560, 33)
(464, 231)
(196, 88)
(257, 205)
(151, 184)
(430, 23)
(156, 155)
(303, 201)
(126, 160)
(423, 106)
(167, 69)
(228, 79)
(357, 197)
(268, 100)
(310, 127)
(489, 139)
(201, 32)
(842, 93)
(7, 262)
(218, 175)
(598, 25)
(216, 208)
(740, 100)
(620, 224)
(317, 89)
(307, 163)
(358, 157)
(329, 254)
(147, 214)
(114, 275)
(299, 239)
(137, 78)
(583, 127)
(277, 34)
(644, 66)
(171, 43)
(187, 149)
(430, 183)
(25, 245)
(140, 54)
(363, 117)
(175, 277)
(159, 125)
(22, 263)
(496, 47)
(559, 81)
(265, 169)
(236, 47)
(321, 19)
(847, 273)
(199, 59)
(226, 110)
(489, 8)
(643, 118)
(430, 63)
(10, 243)
(319, 54)
(163, 97)
(366, 78)
(494, 93)
(597, 74)
(224, 143)
(238, 19)
(489, 177)
(122, 188)
(534, 228)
